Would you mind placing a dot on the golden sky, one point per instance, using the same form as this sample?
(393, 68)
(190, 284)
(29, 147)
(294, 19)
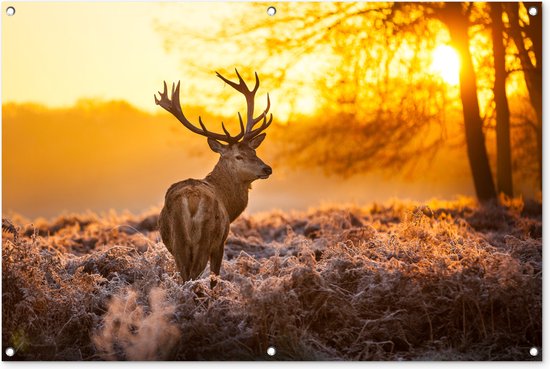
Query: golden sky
(57, 53)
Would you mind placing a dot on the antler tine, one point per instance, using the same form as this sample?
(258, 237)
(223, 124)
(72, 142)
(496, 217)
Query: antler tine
(157, 101)
(202, 125)
(231, 83)
(225, 130)
(249, 96)
(244, 85)
(241, 122)
(257, 85)
(241, 80)
(261, 116)
(172, 105)
(266, 123)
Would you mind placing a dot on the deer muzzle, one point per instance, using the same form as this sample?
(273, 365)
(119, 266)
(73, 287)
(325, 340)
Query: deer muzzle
(266, 172)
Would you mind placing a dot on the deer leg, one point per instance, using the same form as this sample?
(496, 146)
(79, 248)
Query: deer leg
(215, 263)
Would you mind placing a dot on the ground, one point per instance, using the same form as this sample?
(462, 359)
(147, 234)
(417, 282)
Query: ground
(395, 281)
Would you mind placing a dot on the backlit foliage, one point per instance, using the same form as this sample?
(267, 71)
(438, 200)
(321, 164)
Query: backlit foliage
(357, 82)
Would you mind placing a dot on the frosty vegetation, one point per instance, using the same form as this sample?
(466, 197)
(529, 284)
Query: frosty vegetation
(442, 281)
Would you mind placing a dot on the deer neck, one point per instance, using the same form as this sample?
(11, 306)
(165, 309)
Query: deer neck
(232, 192)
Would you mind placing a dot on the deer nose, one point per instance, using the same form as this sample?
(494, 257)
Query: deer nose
(268, 170)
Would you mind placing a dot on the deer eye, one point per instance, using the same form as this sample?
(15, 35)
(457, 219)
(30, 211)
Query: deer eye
(238, 157)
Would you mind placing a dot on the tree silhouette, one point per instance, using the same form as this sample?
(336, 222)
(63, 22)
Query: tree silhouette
(529, 32)
(504, 155)
(455, 16)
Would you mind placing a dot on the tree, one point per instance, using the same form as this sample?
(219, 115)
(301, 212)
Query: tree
(455, 16)
(529, 32)
(504, 155)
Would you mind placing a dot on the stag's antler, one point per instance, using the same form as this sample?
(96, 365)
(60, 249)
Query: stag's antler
(249, 96)
(172, 105)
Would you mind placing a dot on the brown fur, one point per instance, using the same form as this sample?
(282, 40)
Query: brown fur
(194, 222)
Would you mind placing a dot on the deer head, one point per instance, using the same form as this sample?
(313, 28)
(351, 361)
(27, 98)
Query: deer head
(238, 153)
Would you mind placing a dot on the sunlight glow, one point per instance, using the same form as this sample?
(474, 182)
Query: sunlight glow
(307, 104)
(446, 63)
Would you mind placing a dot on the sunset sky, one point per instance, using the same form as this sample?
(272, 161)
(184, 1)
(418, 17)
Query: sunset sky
(57, 53)
(74, 58)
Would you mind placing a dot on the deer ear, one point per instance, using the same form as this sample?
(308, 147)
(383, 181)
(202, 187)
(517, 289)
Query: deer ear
(216, 146)
(256, 141)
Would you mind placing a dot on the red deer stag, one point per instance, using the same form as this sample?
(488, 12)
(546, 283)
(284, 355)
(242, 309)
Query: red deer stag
(195, 219)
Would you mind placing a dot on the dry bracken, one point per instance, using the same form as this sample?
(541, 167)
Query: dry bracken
(442, 280)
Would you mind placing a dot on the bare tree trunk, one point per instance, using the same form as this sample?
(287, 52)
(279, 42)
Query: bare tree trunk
(504, 155)
(532, 72)
(458, 24)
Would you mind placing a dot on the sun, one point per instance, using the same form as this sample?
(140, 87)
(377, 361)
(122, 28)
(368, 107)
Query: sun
(446, 63)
